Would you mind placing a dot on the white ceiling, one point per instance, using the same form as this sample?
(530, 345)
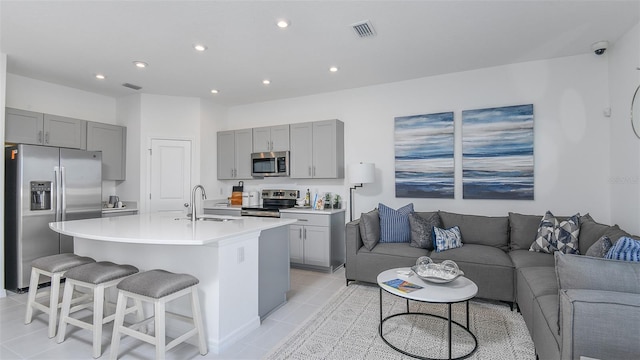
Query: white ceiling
(68, 42)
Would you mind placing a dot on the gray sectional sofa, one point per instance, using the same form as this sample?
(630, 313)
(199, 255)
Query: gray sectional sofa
(573, 305)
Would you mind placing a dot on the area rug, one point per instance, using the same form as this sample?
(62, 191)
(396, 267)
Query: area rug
(347, 328)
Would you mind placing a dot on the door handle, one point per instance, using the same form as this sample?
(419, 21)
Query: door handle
(268, 145)
(56, 186)
(314, 171)
(305, 233)
(300, 233)
(40, 137)
(309, 170)
(63, 198)
(46, 137)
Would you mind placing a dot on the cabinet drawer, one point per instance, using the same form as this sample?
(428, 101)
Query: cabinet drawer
(308, 219)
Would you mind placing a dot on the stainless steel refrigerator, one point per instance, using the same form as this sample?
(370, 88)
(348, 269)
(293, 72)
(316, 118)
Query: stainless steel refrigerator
(45, 184)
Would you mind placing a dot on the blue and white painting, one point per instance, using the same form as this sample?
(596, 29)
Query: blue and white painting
(424, 156)
(497, 153)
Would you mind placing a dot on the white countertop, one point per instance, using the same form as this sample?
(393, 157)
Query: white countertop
(162, 228)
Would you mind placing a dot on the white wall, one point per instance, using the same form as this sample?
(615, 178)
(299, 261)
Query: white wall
(3, 83)
(168, 117)
(624, 58)
(571, 133)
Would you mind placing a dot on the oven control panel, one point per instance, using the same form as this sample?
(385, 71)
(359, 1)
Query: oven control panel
(280, 194)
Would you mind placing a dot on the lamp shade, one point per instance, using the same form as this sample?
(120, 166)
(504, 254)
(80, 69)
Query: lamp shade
(362, 173)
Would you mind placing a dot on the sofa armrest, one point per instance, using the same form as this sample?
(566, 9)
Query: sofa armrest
(599, 324)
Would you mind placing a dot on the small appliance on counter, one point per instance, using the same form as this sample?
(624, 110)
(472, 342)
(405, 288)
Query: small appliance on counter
(272, 202)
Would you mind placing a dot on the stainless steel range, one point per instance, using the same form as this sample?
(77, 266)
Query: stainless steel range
(272, 202)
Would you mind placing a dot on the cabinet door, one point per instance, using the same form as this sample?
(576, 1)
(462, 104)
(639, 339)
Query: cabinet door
(316, 245)
(243, 150)
(111, 140)
(301, 150)
(65, 132)
(296, 248)
(262, 139)
(23, 127)
(226, 158)
(324, 149)
(280, 138)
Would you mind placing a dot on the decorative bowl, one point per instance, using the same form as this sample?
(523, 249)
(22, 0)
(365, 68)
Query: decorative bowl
(436, 276)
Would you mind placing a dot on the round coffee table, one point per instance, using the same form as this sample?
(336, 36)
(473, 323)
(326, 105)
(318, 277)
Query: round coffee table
(459, 290)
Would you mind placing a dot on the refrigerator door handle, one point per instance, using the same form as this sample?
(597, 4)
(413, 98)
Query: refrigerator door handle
(63, 198)
(56, 186)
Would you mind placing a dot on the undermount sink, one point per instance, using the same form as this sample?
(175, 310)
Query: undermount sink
(217, 218)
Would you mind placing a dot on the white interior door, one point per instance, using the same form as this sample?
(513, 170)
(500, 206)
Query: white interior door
(170, 175)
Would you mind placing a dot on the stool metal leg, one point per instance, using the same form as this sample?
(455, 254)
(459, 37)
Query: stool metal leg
(197, 320)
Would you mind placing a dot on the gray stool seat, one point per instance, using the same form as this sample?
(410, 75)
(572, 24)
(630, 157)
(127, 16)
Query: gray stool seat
(60, 262)
(100, 272)
(157, 283)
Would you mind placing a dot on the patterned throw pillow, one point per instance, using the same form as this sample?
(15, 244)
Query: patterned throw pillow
(422, 229)
(445, 239)
(557, 236)
(394, 224)
(626, 249)
(599, 248)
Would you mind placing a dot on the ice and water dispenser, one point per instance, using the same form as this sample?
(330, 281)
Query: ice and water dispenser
(41, 195)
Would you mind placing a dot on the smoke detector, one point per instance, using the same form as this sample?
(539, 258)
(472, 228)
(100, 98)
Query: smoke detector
(364, 29)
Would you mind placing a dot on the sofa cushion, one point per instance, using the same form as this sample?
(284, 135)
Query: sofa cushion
(482, 230)
(475, 254)
(445, 239)
(523, 230)
(525, 258)
(370, 228)
(584, 272)
(399, 249)
(590, 232)
(554, 235)
(394, 224)
(626, 249)
(600, 248)
(614, 233)
(541, 280)
(546, 317)
(422, 229)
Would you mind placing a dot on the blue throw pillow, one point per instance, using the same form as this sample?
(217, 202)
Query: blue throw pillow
(445, 239)
(626, 249)
(394, 224)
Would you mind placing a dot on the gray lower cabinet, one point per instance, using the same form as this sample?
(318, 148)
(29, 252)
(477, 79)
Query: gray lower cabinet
(111, 140)
(316, 241)
(28, 127)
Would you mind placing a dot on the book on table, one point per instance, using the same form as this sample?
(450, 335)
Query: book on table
(402, 285)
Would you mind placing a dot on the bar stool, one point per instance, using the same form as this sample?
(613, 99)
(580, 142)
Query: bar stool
(158, 287)
(97, 277)
(53, 266)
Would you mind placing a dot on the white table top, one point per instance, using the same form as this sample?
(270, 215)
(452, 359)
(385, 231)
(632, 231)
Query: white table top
(163, 229)
(460, 289)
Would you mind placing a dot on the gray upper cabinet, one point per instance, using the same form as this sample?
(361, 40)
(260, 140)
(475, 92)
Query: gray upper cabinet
(111, 140)
(27, 127)
(317, 150)
(24, 127)
(234, 154)
(271, 138)
(65, 132)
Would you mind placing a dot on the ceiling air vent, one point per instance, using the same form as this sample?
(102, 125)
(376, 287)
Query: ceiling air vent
(364, 29)
(131, 86)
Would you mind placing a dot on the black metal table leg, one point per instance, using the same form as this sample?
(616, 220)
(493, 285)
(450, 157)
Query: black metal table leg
(450, 340)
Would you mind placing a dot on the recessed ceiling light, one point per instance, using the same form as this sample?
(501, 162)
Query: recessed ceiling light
(333, 69)
(214, 91)
(282, 23)
(199, 47)
(140, 64)
(100, 77)
(266, 81)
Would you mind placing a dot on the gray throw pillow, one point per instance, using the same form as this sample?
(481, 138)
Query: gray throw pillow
(600, 248)
(590, 232)
(422, 229)
(370, 228)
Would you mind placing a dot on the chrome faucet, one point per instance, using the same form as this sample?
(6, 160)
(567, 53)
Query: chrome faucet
(194, 217)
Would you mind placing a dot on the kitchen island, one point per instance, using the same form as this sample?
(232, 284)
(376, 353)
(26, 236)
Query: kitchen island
(242, 262)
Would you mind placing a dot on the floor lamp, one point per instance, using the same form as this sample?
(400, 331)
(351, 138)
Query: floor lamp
(359, 174)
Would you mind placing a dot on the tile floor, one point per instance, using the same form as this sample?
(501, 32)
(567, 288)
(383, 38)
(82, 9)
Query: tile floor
(309, 291)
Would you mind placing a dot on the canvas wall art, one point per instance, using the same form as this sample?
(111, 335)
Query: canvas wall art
(497, 153)
(424, 166)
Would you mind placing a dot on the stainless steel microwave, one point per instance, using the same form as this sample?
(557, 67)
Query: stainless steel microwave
(275, 163)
